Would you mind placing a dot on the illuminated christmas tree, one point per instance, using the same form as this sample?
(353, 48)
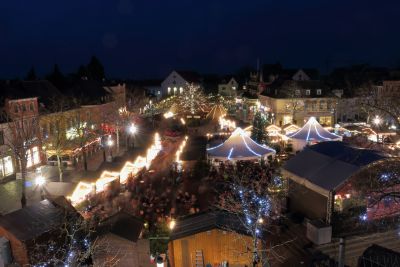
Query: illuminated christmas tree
(192, 100)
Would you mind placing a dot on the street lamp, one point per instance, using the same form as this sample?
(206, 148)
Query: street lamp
(110, 143)
(132, 130)
(172, 224)
(40, 181)
(377, 121)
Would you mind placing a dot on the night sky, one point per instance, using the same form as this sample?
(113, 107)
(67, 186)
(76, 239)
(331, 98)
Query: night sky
(149, 38)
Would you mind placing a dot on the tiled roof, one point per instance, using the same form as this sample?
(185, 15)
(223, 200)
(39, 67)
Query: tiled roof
(35, 220)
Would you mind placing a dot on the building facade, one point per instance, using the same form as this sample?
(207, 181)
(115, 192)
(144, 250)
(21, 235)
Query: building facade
(228, 87)
(176, 82)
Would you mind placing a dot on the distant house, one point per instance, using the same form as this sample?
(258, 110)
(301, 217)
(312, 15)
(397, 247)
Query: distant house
(176, 81)
(209, 238)
(228, 87)
(120, 242)
(34, 226)
(320, 180)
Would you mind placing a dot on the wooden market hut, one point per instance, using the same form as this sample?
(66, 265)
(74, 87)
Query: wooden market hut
(34, 227)
(213, 238)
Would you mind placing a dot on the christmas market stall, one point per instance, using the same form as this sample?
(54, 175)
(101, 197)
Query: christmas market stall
(311, 133)
(239, 146)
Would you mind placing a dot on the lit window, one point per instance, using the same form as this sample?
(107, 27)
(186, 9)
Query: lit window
(319, 91)
(308, 92)
(175, 90)
(180, 90)
(159, 92)
(169, 90)
(6, 166)
(233, 87)
(31, 107)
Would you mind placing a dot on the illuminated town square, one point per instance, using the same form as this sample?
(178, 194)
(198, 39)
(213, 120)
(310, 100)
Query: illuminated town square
(176, 145)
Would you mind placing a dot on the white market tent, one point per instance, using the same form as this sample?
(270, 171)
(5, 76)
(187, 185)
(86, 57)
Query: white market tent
(312, 132)
(239, 146)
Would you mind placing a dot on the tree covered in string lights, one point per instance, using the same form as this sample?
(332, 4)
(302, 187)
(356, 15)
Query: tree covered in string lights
(259, 132)
(192, 100)
(255, 200)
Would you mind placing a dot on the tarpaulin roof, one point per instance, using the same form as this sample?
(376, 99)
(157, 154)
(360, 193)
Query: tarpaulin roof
(239, 147)
(329, 164)
(313, 131)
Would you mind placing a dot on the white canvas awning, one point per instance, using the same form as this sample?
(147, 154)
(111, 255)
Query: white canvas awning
(239, 146)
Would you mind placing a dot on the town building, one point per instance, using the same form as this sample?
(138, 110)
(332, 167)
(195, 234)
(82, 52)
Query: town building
(176, 82)
(295, 101)
(7, 163)
(228, 87)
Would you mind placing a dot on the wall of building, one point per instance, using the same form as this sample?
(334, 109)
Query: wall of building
(228, 89)
(217, 246)
(306, 202)
(323, 109)
(112, 250)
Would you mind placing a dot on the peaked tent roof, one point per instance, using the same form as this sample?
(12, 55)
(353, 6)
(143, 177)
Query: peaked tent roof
(216, 112)
(313, 131)
(239, 147)
(329, 164)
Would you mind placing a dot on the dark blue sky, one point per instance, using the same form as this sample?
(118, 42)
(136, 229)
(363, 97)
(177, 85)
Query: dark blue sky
(148, 38)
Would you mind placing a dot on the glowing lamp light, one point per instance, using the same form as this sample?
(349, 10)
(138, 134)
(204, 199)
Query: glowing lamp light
(377, 121)
(40, 181)
(110, 142)
(168, 115)
(260, 221)
(133, 129)
(183, 121)
(172, 224)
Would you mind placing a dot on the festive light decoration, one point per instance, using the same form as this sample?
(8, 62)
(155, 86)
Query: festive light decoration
(254, 207)
(226, 124)
(180, 150)
(239, 146)
(83, 190)
(168, 115)
(313, 131)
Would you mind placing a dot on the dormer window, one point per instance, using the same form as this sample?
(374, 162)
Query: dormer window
(319, 92)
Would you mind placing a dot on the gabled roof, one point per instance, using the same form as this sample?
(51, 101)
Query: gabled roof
(42, 89)
(313, 131)
(239, 147)
(35, 220)
(206, 221)
(190, 76)
(329, 164)
(123, 225)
